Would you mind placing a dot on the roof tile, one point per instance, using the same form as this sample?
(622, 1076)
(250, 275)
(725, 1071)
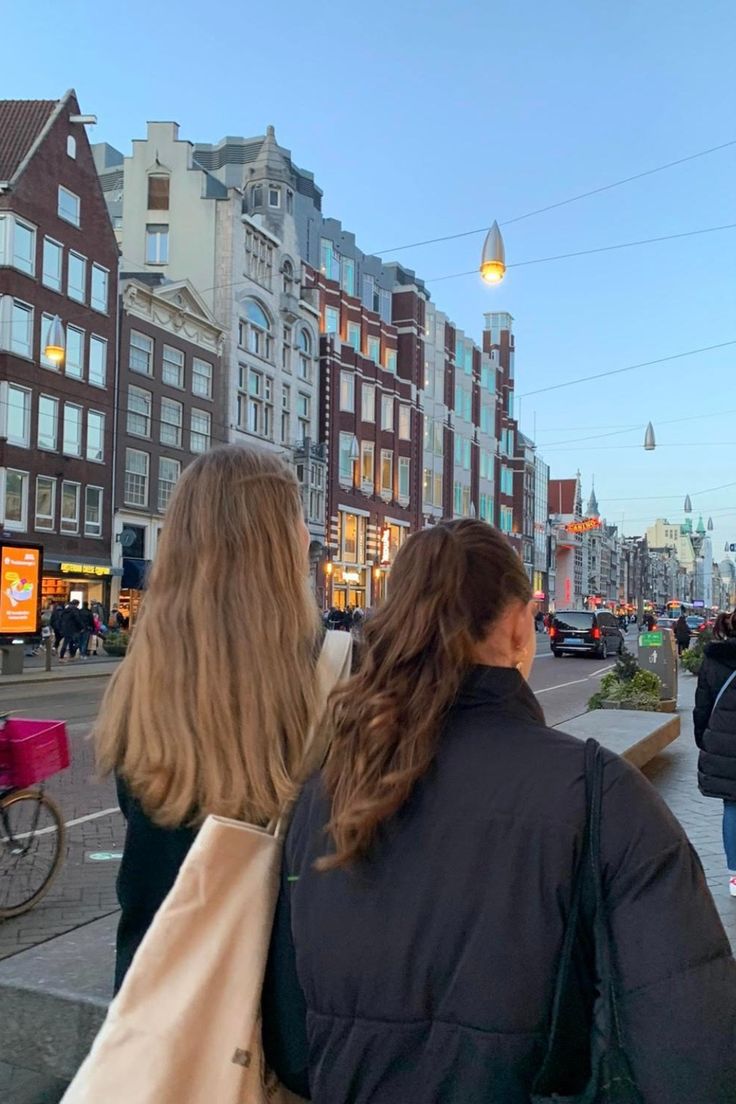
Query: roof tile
(21, 121)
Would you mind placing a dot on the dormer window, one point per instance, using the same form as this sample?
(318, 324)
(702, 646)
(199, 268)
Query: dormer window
(274, 197)
(256, 196)
(71, 146)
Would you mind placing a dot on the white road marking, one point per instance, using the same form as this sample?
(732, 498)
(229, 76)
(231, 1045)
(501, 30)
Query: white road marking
(68, 823)
(575, 682)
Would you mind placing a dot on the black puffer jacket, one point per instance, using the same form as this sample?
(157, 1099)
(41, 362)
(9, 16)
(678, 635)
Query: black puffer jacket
(717, 742)
(425, 976)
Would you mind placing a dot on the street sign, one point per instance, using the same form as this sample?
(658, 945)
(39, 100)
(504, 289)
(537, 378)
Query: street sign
(698, 603)
(651, 639)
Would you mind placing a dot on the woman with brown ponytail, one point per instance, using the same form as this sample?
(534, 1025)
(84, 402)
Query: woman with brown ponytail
(428, 871)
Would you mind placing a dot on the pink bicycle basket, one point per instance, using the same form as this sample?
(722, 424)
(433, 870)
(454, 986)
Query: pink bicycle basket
(31, 751)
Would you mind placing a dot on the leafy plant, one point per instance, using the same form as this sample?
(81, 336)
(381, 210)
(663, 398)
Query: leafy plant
(692, 658)
(116, 643)
(629, 685)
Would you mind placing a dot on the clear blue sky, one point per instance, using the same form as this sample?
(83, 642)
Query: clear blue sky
(423, 120)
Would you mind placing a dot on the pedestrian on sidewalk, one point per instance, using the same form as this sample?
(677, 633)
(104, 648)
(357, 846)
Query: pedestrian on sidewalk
(88, 629)
(210, 710)
(55, 623)
(71, 629)
(428, 872)
(715, 730)
(682, 633)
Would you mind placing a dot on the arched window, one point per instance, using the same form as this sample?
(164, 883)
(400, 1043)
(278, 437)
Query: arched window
(304, 348)
(287, 270)
(255, 330)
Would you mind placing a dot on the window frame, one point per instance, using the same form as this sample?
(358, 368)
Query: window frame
(146, 397)
(51, 517)
(95, 341)
(161, 202)
(347, 391)
(76, 219)
(166, 460)
(24, 441)
(368, 448)
(30, 315)
(146, 476)
(387, 413)
(65, 523)
(195, 374)
(28, 269)
(88, 528)
(178, 437)
(101, 458)
(167, 361)
(387, 456)
(20, 526)
(58, 283)
(344, 447)
(205, 414)
(55, 446)
(158, 233)
(77, 371)
(105, 273)
(73, 255)
(146, 337)
(366, 390)
(404, 422)
(68, 406)
(404, 465)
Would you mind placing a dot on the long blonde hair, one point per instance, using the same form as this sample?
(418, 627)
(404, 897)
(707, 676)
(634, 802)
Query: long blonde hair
(210, 709)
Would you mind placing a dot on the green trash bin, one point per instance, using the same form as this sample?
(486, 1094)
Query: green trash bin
(11, 659)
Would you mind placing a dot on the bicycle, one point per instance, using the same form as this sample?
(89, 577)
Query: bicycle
(32, 832)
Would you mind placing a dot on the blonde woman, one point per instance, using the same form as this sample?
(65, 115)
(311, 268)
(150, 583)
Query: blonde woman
(211, 708)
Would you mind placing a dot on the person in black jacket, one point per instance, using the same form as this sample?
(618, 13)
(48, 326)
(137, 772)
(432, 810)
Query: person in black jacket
(71, 627)
(682, 633)
(210, 710)
(715, 733)
(428, 872)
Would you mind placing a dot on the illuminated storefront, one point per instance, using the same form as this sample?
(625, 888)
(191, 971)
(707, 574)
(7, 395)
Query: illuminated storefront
(83, 580)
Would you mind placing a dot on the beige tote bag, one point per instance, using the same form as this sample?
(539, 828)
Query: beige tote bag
(185, 1026)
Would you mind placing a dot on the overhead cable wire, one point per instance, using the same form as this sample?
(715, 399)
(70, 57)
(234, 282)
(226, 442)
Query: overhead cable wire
(563, 202)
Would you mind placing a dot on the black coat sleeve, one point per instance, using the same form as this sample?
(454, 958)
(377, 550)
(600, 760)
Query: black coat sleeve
(285, 1041)
(151, 860)
(676, 977)
(705, 697)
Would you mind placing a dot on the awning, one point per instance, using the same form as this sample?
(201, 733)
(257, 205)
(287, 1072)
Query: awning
(135, 573)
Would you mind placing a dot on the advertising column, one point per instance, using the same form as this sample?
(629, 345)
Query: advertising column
(20, 593)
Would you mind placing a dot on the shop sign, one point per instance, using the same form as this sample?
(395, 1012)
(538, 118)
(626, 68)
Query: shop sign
(351, 576)
(584, 526)
(19, 592)
(539, 596)
(386, 546)
(84, 569)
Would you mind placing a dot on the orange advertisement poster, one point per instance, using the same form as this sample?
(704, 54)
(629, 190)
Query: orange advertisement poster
(19, 589)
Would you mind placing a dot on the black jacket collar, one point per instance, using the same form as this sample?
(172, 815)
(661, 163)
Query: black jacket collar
(722, 651)
(500, 688)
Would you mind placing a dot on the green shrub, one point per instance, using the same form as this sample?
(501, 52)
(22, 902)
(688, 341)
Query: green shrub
(116, 643)
(635, 689)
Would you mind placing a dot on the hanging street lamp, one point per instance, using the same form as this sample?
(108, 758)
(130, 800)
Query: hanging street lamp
(54, 347)
(649, 440)
(493, 257)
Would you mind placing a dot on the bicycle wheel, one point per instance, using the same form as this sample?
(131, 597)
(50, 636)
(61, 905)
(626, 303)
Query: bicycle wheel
(31, 849)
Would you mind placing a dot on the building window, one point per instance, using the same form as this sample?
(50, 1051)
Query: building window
(168, 475)
(16, 499)
(373, 349)
(287, 271)
(201, 431)
(387, 412)
(72, 435)
(255, 403)
(74, 352)
(70, 507)
(53, 255)
(384, 305)
(76, 277)
(304, 347)
(93, 511)
(18, 423)
(346, 459)
(286, 350)
(289, 202)
(138, 423)
(368, 466)
(46, 322)
(274, 197)
(404, 479)
(71, 146)
(329, 262)
(21, 328)
(98, 291)
(135, 487)
(95, 436)
(48, 422)
(158, 192)
(24, 246)
(438, 490)
(141, 353)
(173, 367)
(347, 392)
(172, 420)
(304, 415)
(354, 336)
(387, 473)
(256, 196)
(68, 206)
(258, 257)
(332, 320)
(202, 378)
(368, 402)
(404, 422)
(347, 280)
(45, 513)
(352, 538)
(97, 373)
(390, 357)
(255, 334)
(285, 413)
(157, 244)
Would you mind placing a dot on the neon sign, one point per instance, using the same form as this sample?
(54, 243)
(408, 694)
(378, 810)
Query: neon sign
(584, 526)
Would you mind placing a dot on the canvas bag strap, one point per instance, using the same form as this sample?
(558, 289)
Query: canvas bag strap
(721, 692)
(333, 665)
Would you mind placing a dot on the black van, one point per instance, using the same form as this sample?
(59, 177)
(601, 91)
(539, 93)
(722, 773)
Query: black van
(595, 633)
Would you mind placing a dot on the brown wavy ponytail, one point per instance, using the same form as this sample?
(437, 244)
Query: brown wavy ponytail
(448, 585)
(725, 626)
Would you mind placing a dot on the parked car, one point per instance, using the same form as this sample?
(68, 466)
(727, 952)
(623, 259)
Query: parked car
(577, 631)
(666, 623)
(695, 624)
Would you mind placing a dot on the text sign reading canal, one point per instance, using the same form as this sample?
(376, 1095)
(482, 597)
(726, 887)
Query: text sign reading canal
(19, 593)
(651, 640)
